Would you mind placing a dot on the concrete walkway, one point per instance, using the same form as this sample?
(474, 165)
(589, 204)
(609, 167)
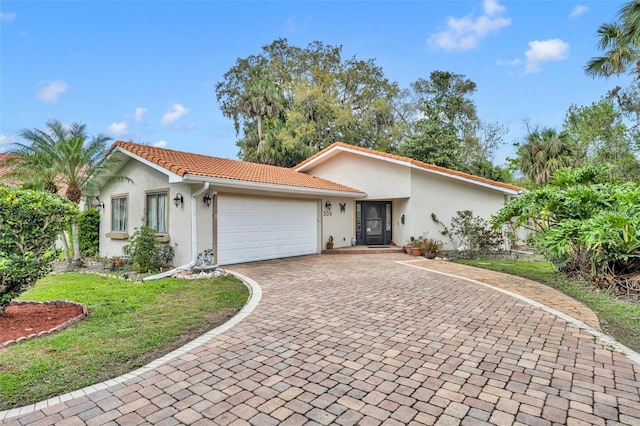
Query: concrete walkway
(346, 339)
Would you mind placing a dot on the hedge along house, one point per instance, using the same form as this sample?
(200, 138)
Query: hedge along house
(247, 212)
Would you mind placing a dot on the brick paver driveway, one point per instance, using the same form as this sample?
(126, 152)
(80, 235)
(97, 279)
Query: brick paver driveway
(348, 339)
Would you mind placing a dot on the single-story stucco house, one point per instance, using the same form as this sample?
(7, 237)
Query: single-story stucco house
(247, 212)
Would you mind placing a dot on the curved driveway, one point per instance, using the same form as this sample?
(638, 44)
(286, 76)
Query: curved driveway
(347, 339)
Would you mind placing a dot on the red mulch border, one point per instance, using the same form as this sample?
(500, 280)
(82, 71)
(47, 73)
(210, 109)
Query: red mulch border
(60, 327)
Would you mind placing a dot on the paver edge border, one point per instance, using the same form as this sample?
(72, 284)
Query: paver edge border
(255, 294)
(603, 338)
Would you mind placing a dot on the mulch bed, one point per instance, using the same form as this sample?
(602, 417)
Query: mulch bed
(22, 320)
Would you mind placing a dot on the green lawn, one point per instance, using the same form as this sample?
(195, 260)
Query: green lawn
(619, 318)
(129, 325)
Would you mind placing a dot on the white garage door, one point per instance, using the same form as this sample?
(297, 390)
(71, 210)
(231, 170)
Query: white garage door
(251, 229)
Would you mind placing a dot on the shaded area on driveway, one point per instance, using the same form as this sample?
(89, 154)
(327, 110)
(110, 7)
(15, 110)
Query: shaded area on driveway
(346, 339)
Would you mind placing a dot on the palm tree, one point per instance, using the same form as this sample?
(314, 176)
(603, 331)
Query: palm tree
(75, 159)
(261, 100)
(32, 170)
(543, 153)
(620, 43)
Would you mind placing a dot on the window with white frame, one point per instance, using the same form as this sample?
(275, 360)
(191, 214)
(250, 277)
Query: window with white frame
(119, 213)
(157, 211)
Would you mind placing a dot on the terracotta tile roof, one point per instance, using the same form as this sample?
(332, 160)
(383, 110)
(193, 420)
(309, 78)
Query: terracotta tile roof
(4, 169)
(184, 163)
(408, 160)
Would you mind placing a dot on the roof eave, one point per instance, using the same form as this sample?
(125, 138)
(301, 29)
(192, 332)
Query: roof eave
(173, 177)
(224, 183)
(319, 159)
(500, 188)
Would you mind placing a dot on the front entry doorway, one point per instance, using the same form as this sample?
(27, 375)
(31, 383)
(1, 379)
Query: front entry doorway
(373, 222)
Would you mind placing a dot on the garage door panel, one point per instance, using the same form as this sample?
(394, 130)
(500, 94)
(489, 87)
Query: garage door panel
(258, 229)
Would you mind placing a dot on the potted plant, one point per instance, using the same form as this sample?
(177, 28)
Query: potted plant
(431, 247)
(330, 242)
(416, 246)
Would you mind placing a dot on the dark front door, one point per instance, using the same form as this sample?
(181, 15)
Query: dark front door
(373, 222)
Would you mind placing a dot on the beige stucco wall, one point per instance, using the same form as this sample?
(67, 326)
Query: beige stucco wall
(444, 196)
(145, 179)
(414, 193)
(401, 231)
(338, 223)
(379, 179)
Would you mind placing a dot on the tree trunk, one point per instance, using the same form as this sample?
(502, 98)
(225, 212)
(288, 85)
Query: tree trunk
(65, 247)
(77, 255)
(260, 135)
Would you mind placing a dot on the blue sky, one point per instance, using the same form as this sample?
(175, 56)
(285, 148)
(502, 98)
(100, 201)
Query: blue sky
(145, 71)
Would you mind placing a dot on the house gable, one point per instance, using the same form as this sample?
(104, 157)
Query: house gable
(379, 179)
(314, 162)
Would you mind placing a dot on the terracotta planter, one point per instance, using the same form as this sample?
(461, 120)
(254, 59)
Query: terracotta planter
(416, 251)
(329, 246)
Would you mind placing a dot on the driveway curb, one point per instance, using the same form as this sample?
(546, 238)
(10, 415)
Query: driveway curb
(255, 294)
(607, 340)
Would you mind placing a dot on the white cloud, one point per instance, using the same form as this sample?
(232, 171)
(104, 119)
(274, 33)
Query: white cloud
(291, 24)
(295, 24)
(545, 51)
(491, 7)
(160, 144)
(465, 33)
(139, 113)
(4, 141)
(578, 10)
(119, 128)
(7, 16)
(51, 90)
(176, 112)
(509, 63)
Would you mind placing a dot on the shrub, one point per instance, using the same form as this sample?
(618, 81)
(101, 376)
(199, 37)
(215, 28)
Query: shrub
(146, 252)
(471, 234)
(581, 224)
(30, 222)
(89, 231)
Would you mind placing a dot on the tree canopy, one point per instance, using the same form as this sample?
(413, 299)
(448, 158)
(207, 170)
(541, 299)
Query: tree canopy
(299, 100)
(289, 102)
(620, 43)
(606, 132)
(63, 155)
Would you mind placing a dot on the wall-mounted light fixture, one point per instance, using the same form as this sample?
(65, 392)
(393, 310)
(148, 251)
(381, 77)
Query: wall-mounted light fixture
(402, 219)
(207, 199)
(178, 199)
(97, 203)
(327, 205)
